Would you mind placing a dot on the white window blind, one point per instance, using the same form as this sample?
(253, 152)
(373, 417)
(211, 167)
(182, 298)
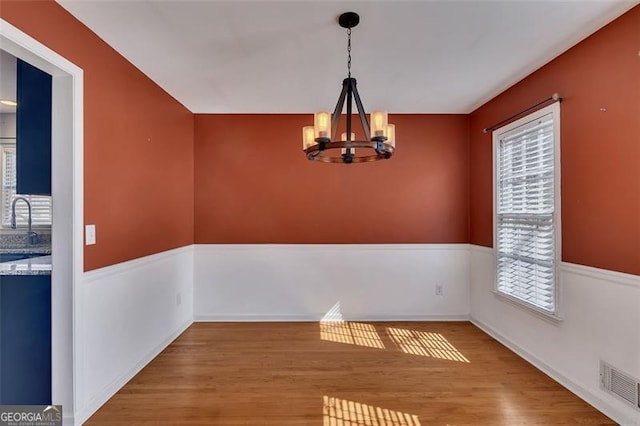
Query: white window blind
(525, 213)
(40, 204)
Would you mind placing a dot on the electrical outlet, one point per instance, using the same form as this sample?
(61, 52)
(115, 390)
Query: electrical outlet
(439, 291)
(90, 235)
(178, 299)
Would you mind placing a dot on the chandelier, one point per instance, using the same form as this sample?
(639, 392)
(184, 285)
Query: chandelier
(319, 141)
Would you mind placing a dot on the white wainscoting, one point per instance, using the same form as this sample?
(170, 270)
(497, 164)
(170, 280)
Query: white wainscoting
(600, 313)
(130, 311)
(303, 282)
(129, 314)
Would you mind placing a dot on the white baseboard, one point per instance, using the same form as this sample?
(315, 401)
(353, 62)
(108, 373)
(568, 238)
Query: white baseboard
(255, 318)
(98, 400)
(578, 390)
(411, 318)
(318, 317)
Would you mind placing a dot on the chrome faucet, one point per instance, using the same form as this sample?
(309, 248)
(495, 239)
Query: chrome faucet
(32, 236)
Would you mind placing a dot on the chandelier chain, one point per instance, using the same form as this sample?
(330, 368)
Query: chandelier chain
(349, 51)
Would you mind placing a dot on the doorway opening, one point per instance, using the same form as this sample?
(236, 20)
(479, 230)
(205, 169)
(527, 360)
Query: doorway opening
(67, 193)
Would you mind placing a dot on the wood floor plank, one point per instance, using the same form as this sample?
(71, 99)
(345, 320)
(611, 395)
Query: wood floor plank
(342, 374)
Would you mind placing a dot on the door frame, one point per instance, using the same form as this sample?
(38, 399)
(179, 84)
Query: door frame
(68, 209)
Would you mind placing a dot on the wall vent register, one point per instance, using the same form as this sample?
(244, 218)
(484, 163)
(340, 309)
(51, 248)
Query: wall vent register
(620, 384)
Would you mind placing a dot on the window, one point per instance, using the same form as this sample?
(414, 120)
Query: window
(526, 209)
(40, 204)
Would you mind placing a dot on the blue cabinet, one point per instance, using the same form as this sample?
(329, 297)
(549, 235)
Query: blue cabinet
(33, 130)
(25, 339)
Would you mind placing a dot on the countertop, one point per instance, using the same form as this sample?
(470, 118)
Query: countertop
(40, 265)
(27, 249)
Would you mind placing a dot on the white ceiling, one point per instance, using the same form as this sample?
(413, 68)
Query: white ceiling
(290, 56)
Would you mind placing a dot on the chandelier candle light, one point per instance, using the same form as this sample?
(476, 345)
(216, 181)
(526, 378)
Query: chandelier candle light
(319, 141)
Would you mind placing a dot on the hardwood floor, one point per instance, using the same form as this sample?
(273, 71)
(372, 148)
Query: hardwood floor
(342, 374)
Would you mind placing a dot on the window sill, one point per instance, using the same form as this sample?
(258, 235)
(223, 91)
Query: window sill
(554, 318)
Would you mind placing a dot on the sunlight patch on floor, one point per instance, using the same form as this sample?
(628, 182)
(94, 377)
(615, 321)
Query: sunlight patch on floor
(342, 412)
(333, 328)
(425, 344)
(353, 333)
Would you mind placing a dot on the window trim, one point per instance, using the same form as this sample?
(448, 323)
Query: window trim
(554, 109)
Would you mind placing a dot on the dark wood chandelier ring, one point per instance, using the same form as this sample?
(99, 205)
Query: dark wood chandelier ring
(367, 159)
(381, 146)
(383, 151)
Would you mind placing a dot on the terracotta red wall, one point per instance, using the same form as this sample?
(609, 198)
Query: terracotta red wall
(254, 184)
(600, 150)
(138, 142)
(139, 160)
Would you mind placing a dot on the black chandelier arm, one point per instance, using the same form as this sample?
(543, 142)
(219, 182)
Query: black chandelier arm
(349, 106)
(381, 147)
(313, 155)
(349, 92)
(337, 112)
(361, 111)
(384, 154)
